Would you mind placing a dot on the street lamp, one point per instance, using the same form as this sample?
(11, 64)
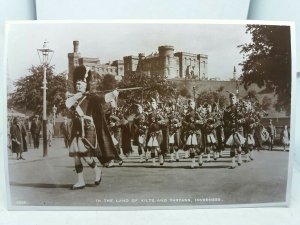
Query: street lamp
(45, 55)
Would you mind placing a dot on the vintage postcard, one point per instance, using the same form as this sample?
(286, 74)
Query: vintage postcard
(148, 114)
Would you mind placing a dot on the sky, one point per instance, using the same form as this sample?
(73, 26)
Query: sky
(110, 42)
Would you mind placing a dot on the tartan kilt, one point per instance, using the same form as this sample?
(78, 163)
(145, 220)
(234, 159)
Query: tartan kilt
(85, 146)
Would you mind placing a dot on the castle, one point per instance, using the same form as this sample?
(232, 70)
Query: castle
(171, 65)
(185, 69)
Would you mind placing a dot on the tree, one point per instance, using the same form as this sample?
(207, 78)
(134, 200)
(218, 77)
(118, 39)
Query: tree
(153, 86)
(108, 82)
(184, 92)
(211, 97)
(28, 95)
(251, 95)
(268, 61)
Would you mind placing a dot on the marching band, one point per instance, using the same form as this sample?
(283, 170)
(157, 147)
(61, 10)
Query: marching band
(159, 129)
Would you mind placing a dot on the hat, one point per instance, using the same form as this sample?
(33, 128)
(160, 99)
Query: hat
(79, 75)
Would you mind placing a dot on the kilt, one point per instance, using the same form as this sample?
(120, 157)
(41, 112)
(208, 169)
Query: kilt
(211, 139)
(235, 140)
(250, 140)
(155, 139)
(85, 146)
(192, 140)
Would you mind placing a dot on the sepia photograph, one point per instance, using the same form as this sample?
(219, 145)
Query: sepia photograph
(148, 115)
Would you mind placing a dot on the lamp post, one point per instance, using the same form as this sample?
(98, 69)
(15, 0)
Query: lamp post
(45, 55)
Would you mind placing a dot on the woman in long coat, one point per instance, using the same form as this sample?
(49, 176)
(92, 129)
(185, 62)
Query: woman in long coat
(17, 140)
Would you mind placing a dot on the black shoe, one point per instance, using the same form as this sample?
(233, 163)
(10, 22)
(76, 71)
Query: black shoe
(200, 164)
(232, 167)
(77, 188)
(177, 160)
(161, 164)
(215, 159)
(98, 182)
(22, 158)
(239, 164)
(120, 163)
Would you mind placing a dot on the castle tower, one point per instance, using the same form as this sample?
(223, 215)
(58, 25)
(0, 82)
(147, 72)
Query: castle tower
(140, 63)
(73, 59)
(203, 66)
(168, 62)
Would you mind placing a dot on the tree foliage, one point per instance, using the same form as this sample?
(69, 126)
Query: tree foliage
(153, 86)
(211, 97)
(28, 95)
(268, 61)
(184, 92)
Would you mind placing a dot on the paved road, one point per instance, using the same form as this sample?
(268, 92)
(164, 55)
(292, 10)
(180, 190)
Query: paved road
(39, 181)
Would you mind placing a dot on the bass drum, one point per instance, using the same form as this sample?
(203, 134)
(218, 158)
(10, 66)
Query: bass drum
(264, 135)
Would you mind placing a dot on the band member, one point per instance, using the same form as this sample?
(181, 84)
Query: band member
(234, 120)
(210, 138)
(209, 131)
(258, 140)
(190, 129)
(154, 136)
(219, 131)
(114, 126)
(174, 135)
(125, 134)
(35, 130)
(140, 132)
(251, 122)
(66, 132)
(90, 136)
(272, 134)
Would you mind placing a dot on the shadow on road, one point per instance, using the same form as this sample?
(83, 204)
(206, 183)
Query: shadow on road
(40, 185)
(165, 167)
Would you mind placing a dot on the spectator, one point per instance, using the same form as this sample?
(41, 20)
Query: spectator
(285, 137)
(66, 131)
(17, 138)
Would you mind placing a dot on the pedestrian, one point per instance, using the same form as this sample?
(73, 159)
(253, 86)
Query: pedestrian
(90, 136)
(35, 130)
(50, 132)
(65, 129)
(285, 137)
(9, 144)
(27, 125)
(272, 134)
(17, 138)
